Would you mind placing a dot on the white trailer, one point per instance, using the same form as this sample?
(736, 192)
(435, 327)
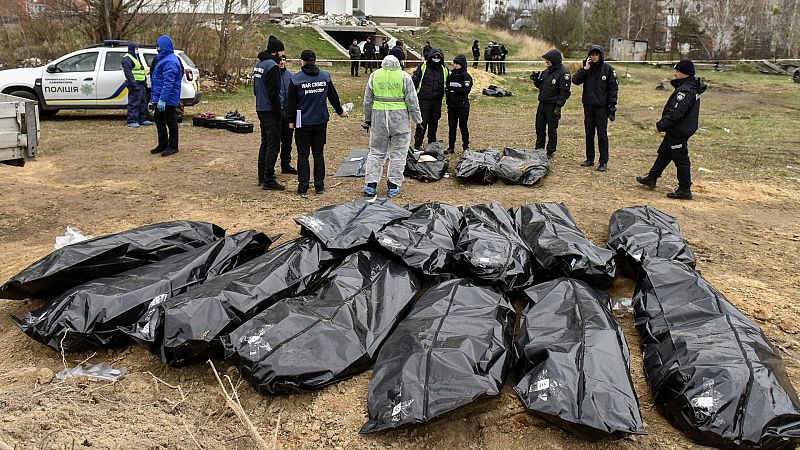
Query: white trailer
(19, 129)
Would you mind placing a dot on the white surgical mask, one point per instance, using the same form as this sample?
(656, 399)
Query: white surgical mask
(436, 60)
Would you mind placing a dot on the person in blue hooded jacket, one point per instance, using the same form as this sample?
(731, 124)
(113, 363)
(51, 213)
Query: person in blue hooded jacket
(135, 81)
(166, 94)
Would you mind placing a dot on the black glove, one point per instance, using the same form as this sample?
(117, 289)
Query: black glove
(612, 113)
(366, 125)
(557, 112)
(535, 76)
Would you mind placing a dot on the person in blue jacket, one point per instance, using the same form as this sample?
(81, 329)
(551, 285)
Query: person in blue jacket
(166, 94)
(267, 90)
(135, 81)
(286, 133)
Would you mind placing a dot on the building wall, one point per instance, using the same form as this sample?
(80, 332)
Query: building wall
(381, 8)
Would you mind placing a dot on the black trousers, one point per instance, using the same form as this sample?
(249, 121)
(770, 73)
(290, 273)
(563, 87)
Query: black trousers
(354, 63)
(475, 64)
(431, 113)
(286, 144)
(547, 127)
(675, 150)
(310, 140)
(458, 118)
(270, 145)
(167, 127)
(502, 63)
(595, 119)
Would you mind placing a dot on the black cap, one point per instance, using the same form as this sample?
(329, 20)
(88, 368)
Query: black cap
(274, 45)
(685, 66)
(460, 59)
(308, 56)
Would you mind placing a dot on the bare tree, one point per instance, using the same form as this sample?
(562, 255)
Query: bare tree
(104, 19)
(722, 19)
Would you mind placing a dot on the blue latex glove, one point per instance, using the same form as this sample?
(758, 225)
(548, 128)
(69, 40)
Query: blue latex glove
(161, 105)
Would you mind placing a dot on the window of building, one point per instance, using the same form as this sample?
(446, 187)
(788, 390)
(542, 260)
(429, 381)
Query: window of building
(408, 5)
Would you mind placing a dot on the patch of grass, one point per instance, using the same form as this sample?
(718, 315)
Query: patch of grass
(456, 36)
(298, 39)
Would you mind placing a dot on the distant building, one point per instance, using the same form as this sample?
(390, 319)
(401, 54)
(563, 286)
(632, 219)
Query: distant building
(400, 12)
(492, 7)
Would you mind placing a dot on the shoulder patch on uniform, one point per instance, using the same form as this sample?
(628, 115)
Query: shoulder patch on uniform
(681, 96)
(614, 72)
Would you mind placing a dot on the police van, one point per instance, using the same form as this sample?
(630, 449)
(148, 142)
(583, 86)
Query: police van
(91, 78)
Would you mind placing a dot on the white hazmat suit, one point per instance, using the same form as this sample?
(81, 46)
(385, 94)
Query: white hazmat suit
(390, 131)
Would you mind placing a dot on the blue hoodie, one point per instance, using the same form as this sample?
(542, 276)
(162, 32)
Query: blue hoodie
(167, 75)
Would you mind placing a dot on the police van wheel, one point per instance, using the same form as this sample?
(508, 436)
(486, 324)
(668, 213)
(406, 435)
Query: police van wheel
(797, 77)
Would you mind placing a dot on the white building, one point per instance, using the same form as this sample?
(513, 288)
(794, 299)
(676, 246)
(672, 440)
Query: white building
(492, 7)
(401, 12)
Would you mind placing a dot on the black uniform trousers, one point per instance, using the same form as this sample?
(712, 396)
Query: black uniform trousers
(167, 127)
(270, 145)
(674, 150)
(458, 118)
(547, 127)
(475, 64)
(595, 119)
(354, 64)
(431, 113)
(310, 140)
(286, 144)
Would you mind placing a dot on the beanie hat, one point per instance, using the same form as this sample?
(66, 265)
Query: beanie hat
(460, 59)
(685, 66)
(274, 45)
(308, 56)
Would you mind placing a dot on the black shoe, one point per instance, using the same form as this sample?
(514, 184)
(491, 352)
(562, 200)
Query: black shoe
(550, 155)
(320, 191)
(602, 167)
(289, 170)
(272, 185)
(302, 193)
(449, 150)
(681, 194)
(647, 182)
(169, 151)
(587, 163)
(157, 150)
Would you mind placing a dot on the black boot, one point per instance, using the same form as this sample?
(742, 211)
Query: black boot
(551, 154)
(272, 185)
(647, 181)
(587, 163)
(157, 150)
(169, 151)
(681, 194)
(288, 170)
(602, 167)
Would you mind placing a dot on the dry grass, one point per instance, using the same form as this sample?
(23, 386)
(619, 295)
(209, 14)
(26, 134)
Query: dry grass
(526, 47)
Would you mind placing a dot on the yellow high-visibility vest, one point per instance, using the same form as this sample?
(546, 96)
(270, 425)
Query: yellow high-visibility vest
(139, 72)
(387, 89)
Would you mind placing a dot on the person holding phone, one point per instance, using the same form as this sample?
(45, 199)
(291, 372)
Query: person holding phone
(600, 89)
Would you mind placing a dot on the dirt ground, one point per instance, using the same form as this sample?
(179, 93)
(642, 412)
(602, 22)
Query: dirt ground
(96, 174)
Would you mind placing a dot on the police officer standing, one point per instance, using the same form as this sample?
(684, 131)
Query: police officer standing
(135, 81)
(679, 120)
(599, 103)
(503, 55)
(355, 58)
(429, 79)
(383, 49)
(476, 53)
(286, 132)
(399, 52)
(266, 87)
(553, 85)
(309, 92)
(459, 85)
